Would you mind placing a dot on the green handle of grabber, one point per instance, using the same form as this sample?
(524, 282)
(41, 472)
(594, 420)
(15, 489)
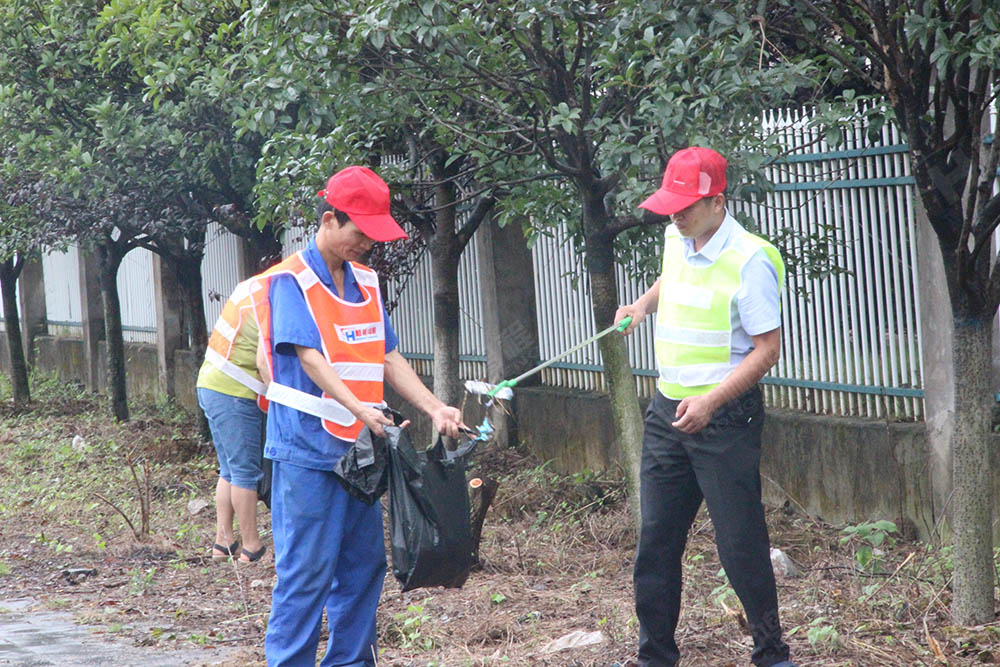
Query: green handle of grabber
(502, 385)
(621, 326)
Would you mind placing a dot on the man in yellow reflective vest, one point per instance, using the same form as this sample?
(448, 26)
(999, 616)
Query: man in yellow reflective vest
(718, 331)
(229, 389)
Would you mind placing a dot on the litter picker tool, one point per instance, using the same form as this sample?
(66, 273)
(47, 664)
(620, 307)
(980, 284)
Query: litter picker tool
(504, 390)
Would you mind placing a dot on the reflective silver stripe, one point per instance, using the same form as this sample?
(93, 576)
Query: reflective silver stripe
(317, 406)
(306, 277)
(351, 370)
(363, 277)
(699, 337)
(223, 327)
(241, 292)
(696, 375)
(234, 371)
(688, 295)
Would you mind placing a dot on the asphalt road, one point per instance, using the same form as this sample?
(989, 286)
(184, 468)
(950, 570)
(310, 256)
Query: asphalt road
(33, 637)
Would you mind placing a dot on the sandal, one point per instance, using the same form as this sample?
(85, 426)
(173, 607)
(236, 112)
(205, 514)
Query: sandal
(227, 552)
(254, 556)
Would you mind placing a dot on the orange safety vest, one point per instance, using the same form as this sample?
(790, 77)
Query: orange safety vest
(353, 338)
(238, 307)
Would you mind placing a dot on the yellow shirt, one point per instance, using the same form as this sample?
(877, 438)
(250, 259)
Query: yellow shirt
(244, 355)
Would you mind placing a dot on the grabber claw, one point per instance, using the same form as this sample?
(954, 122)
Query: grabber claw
(502, 391)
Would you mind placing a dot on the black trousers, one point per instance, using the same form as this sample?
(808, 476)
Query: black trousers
(720, 463)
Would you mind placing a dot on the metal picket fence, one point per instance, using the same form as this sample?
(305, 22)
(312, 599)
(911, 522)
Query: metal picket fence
(851, 342)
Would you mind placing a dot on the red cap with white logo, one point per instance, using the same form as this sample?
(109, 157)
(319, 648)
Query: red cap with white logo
(692, 174)
(362, 195)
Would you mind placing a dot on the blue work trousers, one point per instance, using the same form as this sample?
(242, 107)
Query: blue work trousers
(329, 552)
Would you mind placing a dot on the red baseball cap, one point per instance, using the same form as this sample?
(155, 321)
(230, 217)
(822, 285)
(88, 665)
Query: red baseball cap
(361, 194)
(692, 174)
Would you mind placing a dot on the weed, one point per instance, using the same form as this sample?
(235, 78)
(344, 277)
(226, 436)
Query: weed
(48, 387)
(586, 585)
(4, 568)
(498, 598)
(721, 593)
(140, 582)
(53, 543)
(560, 501)
(869, 537)
(204, 640)
(409, 624)
(100, 541)
(822, 636)
(190, 532)
(166, 408)
(28, 450)
(142, 494)
(61, 548)
(693, 561)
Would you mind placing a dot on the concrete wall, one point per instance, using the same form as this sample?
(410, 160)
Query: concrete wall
(849, 470)
(838, 469)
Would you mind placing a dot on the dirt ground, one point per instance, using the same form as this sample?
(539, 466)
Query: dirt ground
(556, 560)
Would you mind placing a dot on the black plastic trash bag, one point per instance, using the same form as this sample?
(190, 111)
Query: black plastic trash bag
(362, 470)
(264, 483)
(429, 513)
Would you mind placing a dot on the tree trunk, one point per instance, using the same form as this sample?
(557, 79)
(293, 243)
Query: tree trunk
(190, 280)
(192, 300)
(446, 250)
(9, 270)
(621, 386)
(444, 273)
(621, 383)
(109, 258)
(263, 248)
(972, 501)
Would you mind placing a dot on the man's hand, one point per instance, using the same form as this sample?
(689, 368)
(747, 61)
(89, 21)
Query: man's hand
(694, 413)
(447, 421)
(631, 310)
(640, 308)
(374, 419)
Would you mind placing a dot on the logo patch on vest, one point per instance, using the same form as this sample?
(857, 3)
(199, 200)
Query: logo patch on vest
(360, 333)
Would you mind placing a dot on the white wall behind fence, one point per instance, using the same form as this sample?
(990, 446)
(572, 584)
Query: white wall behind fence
(136, 293)
(220, 270)
(61, 271)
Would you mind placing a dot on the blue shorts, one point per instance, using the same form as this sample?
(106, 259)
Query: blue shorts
(236, 425)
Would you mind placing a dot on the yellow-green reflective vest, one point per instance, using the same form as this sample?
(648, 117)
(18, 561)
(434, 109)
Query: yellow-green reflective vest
(694, 315)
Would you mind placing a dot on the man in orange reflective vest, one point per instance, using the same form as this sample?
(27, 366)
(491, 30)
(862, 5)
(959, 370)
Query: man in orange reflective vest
(327, 345)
